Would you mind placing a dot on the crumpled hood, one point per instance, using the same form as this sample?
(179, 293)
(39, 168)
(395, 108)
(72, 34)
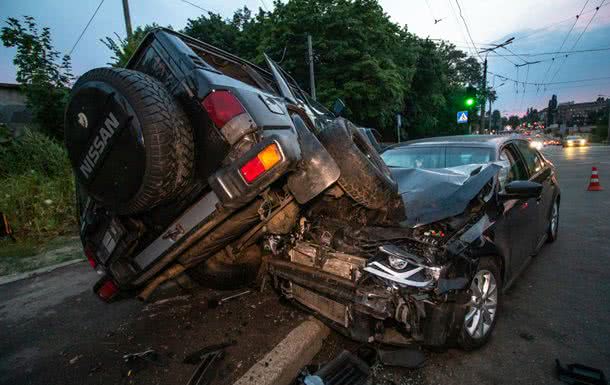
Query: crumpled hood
(430, 195)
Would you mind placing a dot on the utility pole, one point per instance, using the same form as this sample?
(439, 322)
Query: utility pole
(127, 18)
(493, 87)
(312, 81)
(489, 121)
(487, 51)
(483, 94)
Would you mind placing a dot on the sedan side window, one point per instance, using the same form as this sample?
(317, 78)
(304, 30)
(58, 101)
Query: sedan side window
(512, 169)
(533, 160)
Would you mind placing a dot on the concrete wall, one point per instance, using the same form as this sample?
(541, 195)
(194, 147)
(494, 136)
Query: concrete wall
(13, 109)
(11, 96)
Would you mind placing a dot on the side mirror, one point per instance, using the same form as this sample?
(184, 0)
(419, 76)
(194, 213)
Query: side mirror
(338, 107)
(521, 189)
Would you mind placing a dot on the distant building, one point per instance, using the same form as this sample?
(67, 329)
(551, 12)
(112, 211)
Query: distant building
(579, 114)
(571, 114)
(13, 108)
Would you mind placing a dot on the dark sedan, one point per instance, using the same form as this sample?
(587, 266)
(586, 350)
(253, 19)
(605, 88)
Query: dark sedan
(521, 209)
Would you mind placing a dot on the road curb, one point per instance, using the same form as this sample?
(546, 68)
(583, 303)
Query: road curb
(282, 364)
(43, 270)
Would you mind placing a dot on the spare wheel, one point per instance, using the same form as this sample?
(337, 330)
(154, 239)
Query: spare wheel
(130, 143)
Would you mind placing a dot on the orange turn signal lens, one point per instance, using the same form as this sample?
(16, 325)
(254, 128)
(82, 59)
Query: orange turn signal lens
(266, 159)
(270, 156)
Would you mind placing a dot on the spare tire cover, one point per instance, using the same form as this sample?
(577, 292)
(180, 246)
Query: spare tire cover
(105, 143)
(128, 139)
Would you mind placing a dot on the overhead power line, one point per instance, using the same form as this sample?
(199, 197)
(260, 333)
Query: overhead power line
(543, 28)
(197, 6)
(458, 24)
(467, 29)
(264, 5)
(595, 10)
(578, 39)
(86, 27)
(571, 52)
(564, 41)
(504, 77)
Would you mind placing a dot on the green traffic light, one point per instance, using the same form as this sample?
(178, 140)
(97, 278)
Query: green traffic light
(470, 102)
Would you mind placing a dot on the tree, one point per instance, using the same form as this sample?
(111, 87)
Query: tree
(377, 67)
(44, 78)
(215, 30)
(496, 120)
(123, 49)
(513, 121)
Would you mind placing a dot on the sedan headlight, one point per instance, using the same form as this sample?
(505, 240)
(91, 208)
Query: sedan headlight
(582, 141)
(397, 263)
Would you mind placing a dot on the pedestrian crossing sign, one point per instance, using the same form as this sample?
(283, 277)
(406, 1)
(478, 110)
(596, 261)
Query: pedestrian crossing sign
(462, 117)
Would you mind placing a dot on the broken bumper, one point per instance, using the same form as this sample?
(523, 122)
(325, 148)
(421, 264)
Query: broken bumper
(366, 308)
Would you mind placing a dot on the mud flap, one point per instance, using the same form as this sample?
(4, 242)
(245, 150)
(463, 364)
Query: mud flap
(317, 170)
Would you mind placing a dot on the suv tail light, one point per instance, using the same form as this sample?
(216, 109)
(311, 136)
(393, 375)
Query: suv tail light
(263, 161)
(90, 256)
(222, 106)
(107, 290)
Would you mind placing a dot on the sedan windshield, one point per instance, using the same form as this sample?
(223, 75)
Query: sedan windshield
(436, 156)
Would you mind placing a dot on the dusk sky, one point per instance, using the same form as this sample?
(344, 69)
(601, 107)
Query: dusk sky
(538, 26)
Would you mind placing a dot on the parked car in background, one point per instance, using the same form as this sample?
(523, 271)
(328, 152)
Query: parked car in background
(552, 141)
(574, 141)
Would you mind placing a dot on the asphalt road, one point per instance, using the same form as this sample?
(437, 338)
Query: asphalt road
(53, 330)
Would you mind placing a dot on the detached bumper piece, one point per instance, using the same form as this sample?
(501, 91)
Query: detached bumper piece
(345, 369)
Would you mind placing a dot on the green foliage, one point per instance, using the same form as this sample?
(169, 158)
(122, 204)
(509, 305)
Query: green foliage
(513, 121)
(214, 29)
(377, 67)
(36, 153)
(37, 186)
(44, 77)
(123, 49)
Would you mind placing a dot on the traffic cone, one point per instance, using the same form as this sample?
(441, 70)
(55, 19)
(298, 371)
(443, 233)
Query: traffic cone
(594, 183)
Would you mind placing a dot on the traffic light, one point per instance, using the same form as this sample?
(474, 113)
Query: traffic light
(470, 98)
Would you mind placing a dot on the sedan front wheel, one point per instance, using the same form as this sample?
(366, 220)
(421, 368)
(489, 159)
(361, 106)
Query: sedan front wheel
(482, 310)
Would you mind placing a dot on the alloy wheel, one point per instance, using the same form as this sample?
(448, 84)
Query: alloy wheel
(554, 218)
(483, 304)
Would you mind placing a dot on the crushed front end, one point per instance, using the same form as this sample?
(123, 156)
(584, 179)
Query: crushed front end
(386, 284)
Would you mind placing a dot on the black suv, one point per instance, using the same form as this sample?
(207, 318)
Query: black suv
(177, 146)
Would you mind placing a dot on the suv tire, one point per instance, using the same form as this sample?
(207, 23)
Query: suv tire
(364, 175)
(148, 155)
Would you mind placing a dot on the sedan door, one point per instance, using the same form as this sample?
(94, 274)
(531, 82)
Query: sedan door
(542, 173)
(519, 214)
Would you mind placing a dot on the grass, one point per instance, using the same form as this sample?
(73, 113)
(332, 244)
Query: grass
(37, 196)
(29, 255)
